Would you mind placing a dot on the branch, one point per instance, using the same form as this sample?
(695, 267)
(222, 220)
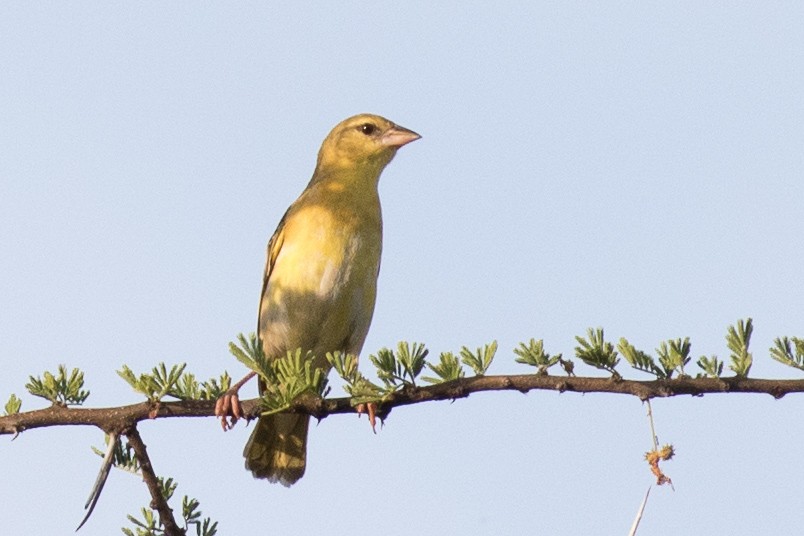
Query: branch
(158, 501)
(119, 419)
(110, 420)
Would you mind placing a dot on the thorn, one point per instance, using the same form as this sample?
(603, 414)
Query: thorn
(100, 481)
(641, 511)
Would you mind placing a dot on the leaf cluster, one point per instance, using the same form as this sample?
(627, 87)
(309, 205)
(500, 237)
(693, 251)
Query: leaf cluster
(188, 388)
(13, 405)
(596, 352)
(283, 379)
(61, 389)
(533, 354)
(156, 385)
(673, 355)
(479, 360)
(789, 351)
(737, 339)
(711, 366)
(176, 383)
(249, 353)
(401, 368)
(358, 387)
(447, 369)
(292, 376)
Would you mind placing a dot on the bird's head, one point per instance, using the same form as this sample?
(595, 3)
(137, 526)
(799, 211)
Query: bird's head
(363, 143)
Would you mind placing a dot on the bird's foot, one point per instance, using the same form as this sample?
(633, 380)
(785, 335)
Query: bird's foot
(229, 409)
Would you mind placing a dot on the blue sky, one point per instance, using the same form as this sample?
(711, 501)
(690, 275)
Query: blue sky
(631, 166)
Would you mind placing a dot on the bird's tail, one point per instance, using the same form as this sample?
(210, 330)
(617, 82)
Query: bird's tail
(277, 448)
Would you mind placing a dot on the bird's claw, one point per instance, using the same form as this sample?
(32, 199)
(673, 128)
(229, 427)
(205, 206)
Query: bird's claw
(229, 409)
(371, 409)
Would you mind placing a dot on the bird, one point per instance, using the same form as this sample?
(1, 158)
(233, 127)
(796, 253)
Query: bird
(320, 281)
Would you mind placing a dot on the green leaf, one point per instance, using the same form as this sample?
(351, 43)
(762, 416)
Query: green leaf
(712, 367)
(208, 528)
(159, 383)
(166, 380)
(364, 391)
(401, 368)
(738, 340)
(345, 365)
(412, 359)
(357, 386)
(789, 351)
(249, 353)
(189, 509)
(448, 369)
(167, 487)
(533, 354)
(13, 405)
(291, 376)
(389, 370)
(213, 389)
(187, 388)
(62, 389)
(673, 355)
(481, 359)
(128, 375)
(597, 352)
(639, 359)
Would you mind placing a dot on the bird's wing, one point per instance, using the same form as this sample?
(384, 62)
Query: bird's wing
(274, 245)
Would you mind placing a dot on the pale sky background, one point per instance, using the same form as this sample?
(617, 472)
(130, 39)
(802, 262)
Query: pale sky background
(636, 166)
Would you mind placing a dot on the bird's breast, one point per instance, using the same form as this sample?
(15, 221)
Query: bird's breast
(322, 288)
(326, 251)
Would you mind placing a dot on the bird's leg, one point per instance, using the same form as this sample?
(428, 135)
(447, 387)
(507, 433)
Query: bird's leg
(371, 409)
(228, 405)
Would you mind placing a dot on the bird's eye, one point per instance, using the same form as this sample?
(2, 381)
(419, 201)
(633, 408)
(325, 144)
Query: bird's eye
(368, 129)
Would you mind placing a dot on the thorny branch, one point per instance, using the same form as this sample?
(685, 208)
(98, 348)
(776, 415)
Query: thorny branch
(119, 419)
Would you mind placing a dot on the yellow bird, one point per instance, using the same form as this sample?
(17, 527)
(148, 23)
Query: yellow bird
(320, 280)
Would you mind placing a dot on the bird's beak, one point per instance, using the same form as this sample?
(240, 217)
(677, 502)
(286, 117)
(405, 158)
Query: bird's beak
(398, 136)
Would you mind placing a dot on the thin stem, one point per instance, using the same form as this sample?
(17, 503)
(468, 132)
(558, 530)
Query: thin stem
(652, 428)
